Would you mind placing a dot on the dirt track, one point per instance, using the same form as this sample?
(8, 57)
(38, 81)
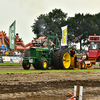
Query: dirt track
(47, 86)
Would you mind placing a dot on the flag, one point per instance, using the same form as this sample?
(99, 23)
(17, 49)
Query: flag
(77, 38)
(64, 36)
(12, 35)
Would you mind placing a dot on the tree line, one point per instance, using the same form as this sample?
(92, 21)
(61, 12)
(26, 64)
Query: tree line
(51, 23)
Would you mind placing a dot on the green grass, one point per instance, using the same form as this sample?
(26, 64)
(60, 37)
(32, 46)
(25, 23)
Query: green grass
(95, 65)
(40, 71)
(10, 64)
(43, 71)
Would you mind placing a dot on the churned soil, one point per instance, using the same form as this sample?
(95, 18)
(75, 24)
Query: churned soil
(47, 86)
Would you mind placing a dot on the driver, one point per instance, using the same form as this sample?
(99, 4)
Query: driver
(51, 44)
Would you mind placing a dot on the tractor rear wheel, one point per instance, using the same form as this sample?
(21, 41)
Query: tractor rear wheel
(43, 64)
(82, 65)
(27, 53)
(36, 66)
(56, 59)
(26, 66)
(65, 60)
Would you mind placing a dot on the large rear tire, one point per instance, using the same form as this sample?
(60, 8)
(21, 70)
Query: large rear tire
(65, 60)
(26, 66)
(36, 66)
(44, 64)
(56, 59)
(27, 53)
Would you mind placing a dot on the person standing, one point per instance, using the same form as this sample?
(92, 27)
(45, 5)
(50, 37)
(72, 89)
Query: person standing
(72, 52)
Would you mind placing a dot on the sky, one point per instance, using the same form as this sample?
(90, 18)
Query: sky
(26, 11)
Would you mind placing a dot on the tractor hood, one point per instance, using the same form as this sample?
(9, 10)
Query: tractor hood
(92, 53)
(38, 52)
(40, 49)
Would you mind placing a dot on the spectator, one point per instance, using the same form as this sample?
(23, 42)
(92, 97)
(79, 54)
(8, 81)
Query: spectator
(17, 37)
(1, 53)
(19, 53)
(11, 52)
(15, 53)
(6, 53)
(72, 53)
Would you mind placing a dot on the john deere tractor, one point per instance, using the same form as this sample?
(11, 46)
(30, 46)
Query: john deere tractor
(41, 58)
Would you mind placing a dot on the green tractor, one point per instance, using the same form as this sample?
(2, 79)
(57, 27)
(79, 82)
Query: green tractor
(41, 58)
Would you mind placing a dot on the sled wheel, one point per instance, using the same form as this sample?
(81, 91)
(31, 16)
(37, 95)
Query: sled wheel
(82, 65)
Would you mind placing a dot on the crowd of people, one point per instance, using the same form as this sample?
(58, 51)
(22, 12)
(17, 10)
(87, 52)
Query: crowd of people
(11, 53)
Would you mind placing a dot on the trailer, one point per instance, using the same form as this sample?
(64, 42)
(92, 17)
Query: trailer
(93, 54)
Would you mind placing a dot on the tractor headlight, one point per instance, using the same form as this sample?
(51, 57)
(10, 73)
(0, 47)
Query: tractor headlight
(30, 60)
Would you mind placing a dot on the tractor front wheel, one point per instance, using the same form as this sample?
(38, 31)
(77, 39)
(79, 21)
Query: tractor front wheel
(43, 64)
(26, 66)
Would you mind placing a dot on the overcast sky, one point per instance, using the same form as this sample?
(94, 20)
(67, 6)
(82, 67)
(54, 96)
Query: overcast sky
(26, 11)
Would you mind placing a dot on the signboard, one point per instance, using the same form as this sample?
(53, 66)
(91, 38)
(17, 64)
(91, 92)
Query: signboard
(12, 35)
(64, 36)
(12, 59)
(94, 38)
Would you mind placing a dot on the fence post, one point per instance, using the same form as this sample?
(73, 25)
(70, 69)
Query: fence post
(78, 90)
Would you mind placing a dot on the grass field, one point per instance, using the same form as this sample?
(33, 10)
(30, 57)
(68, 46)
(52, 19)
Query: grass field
(10, 64)
(43, 71)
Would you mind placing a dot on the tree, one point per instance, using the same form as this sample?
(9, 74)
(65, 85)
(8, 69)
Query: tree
(50, 24)
(97, 23)
(75, 25)
(82, 24)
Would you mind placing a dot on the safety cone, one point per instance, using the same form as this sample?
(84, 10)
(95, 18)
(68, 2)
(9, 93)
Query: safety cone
(20, 62)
